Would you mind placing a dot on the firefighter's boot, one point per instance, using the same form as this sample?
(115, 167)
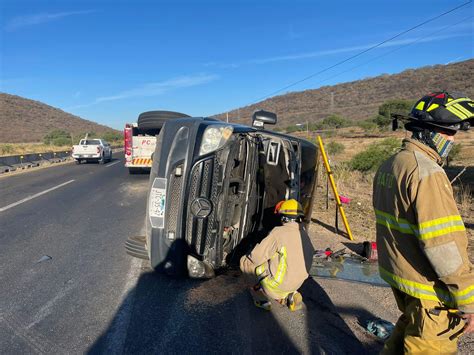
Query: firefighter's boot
(260, 300)
(294, 301)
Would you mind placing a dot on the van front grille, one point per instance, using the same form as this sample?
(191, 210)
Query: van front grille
(202, 184)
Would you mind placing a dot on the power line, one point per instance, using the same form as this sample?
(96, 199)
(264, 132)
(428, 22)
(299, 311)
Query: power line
(362, 52)
(396, 49)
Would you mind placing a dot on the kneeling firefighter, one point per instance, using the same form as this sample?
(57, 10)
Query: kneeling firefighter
(280, 264)
(421, 238)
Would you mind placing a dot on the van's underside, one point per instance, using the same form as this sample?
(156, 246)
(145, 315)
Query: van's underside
(232, 195)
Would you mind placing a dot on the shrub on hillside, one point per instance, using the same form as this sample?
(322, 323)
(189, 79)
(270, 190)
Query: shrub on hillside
(57, 137)
(367, 125)
(113, 136)
(335, 121)
(334, 148)
(382, 121)
(328, 134)
(316, 126)
(61, 141)
(375, 154)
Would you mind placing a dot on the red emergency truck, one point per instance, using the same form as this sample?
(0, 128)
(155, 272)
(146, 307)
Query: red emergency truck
(140, 139)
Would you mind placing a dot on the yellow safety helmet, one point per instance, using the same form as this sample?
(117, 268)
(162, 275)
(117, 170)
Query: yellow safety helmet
(290, 208)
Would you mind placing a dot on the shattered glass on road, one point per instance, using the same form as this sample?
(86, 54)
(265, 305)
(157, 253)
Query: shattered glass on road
(347, 268)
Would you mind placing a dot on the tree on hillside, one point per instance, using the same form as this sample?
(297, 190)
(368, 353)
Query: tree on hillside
(381, 121)
(392, 106)
(335, 121)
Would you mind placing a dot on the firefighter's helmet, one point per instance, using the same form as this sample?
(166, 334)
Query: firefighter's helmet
(289, 208)
(448, 112)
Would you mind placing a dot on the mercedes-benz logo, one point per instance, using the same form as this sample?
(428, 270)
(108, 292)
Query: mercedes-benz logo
(201, 207)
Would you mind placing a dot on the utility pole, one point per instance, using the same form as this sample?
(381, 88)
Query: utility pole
(227, 117)
(332, 103)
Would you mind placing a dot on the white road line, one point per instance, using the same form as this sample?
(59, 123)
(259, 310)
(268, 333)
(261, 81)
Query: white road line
(112, 164)
(3, 209)
(48, 307)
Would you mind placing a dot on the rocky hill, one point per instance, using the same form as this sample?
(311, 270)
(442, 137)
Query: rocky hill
(23, 120)
(360, 99)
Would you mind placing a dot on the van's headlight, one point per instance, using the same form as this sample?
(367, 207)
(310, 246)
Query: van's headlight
(199, 269)
(214, 137)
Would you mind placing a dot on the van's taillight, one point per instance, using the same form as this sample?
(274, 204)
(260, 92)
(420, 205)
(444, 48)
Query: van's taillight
(127, 135)
(98, 150)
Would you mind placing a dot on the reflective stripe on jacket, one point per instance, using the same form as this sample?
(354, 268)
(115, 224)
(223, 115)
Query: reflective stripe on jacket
(273, 282)
(282, 260)
(421, 238)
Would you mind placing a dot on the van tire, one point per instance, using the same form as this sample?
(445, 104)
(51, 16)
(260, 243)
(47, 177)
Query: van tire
(154, 120)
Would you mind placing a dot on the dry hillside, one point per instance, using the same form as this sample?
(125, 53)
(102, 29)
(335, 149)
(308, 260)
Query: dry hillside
(360, 99)
(23, 120)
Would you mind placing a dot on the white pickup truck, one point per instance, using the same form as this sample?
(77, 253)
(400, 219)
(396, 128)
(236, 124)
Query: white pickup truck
(92, 150)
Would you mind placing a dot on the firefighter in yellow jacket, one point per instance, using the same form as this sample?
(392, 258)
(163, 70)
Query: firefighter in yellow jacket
(421, 238)
(279, 264)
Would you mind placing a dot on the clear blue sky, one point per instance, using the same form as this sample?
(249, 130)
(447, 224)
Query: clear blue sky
(107, 61)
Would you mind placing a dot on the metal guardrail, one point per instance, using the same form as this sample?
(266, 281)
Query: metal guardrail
(24, 161)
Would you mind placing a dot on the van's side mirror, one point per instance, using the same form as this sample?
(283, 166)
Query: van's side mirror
(260, 117)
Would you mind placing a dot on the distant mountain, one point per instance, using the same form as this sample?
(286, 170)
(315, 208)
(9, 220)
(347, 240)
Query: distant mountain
(23, 120)
(360, 99)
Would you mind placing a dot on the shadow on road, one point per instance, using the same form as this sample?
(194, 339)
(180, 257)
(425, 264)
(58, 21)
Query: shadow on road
(327, 327)
(330, 228)
(165, 315)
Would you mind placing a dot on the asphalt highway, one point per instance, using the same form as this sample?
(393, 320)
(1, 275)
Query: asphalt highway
(67, 285)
